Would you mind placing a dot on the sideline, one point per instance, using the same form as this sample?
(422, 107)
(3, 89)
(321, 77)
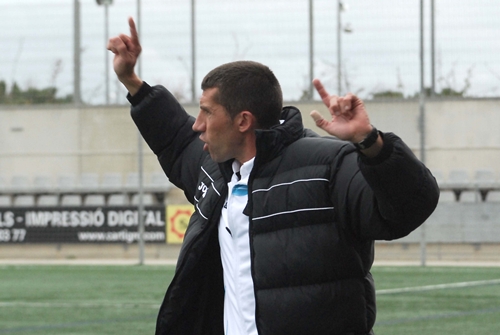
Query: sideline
(438, 263)
(79, 304)
(438, 287)
(71, 325)
(173, 261)
(436, 317)
(86, 262)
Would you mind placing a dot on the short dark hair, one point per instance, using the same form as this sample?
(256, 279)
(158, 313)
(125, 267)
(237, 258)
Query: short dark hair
(247, 86)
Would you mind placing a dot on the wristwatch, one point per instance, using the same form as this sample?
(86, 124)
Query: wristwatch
(368, 141)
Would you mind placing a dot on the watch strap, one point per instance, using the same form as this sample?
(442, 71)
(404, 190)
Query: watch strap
(368, 141)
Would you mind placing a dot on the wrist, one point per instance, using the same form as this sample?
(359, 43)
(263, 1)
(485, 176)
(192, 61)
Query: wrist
(132, 83)
(369, 140)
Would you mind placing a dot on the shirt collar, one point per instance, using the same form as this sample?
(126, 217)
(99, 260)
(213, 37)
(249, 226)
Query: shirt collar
(244, 169)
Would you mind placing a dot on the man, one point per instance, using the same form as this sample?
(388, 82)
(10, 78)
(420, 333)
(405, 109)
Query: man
(282, 238)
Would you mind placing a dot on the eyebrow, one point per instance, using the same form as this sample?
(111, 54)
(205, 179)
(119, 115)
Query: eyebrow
(206, 108)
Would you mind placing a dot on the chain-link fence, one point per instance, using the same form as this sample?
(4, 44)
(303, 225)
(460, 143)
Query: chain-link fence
(366, 47)
(378, 44)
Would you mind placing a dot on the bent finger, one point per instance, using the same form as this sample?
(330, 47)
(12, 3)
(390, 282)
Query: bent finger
(345, 104)
(335, 105)
(114, 44)
(128, 42)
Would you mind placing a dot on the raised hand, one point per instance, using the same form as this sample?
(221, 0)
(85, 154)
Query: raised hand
(349, 121)
(127, 50)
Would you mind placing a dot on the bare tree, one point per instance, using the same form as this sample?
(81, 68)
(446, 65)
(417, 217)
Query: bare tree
(56, 71)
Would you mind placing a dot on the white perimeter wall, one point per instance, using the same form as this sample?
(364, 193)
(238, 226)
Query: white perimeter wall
(55, 140)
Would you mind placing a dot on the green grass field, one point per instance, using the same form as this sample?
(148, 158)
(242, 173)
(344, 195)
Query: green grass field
(123, 300)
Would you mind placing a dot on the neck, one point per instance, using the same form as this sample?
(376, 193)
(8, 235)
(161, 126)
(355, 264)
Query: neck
(248, 149)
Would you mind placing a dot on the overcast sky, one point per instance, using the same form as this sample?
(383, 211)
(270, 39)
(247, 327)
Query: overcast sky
(381, 53)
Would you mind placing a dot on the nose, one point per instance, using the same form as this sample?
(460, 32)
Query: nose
(198, 125)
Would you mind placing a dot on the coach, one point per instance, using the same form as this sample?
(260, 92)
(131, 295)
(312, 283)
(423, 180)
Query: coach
(282, 238)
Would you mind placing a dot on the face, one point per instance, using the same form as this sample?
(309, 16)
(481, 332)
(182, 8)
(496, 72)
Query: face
(219, 132)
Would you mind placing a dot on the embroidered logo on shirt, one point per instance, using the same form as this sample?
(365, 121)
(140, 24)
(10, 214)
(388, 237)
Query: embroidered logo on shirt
(240, 190)
(203, 188)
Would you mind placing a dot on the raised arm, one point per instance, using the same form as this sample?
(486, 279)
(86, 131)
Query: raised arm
(127, 50)
(404, 189)
(349, 121)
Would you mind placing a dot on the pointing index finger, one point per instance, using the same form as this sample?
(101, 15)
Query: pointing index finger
(133, 31)
(325, 96)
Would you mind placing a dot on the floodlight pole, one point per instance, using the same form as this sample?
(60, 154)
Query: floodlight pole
(339, 44)
(140, 157)
(106, 4)
(311, 49)
(433, 50)
(106, 38)
(423, 247)
(76, 54)
(193, 51)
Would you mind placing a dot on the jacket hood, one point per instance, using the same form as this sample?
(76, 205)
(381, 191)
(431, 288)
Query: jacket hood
(271, 142)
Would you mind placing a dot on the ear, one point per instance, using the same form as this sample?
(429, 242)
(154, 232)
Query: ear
(246, 121)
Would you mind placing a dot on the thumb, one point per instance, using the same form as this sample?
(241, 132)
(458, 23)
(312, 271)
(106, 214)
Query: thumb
(318, 118)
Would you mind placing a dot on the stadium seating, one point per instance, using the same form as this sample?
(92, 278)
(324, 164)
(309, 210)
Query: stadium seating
(94, 200)
(493, 196)
(111, 181)
(89, 181)
(5, 201)
(459, 179)
(118, 200)
(447, 196)
(465, 189)
(132, 180)
(438, 174)
(71, 200)
(470, 196)
(148, 200)
(159, 181)
(47, 200)
(88, 189)
(42, 182)
(115, 189)
(24, 200)
(19, 182)
(66, 182)
(485, 178)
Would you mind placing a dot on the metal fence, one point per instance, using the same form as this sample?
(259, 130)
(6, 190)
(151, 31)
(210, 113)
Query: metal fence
(54, 51)
(373, 45)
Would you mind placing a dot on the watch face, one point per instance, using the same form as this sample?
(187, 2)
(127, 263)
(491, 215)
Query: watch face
(369, 140)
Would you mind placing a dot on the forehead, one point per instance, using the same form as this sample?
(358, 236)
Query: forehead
(209, 98)
(209, 103)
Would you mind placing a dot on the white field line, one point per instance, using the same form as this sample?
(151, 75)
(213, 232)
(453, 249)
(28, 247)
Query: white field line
(79, 304)
(6, 262)
(439, 287)
(95, 304)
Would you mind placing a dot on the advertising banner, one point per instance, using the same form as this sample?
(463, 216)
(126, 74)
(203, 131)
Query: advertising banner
(80, 225)
(177, 221)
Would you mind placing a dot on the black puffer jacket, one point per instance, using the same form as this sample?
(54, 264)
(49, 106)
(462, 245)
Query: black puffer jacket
(315, 208)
